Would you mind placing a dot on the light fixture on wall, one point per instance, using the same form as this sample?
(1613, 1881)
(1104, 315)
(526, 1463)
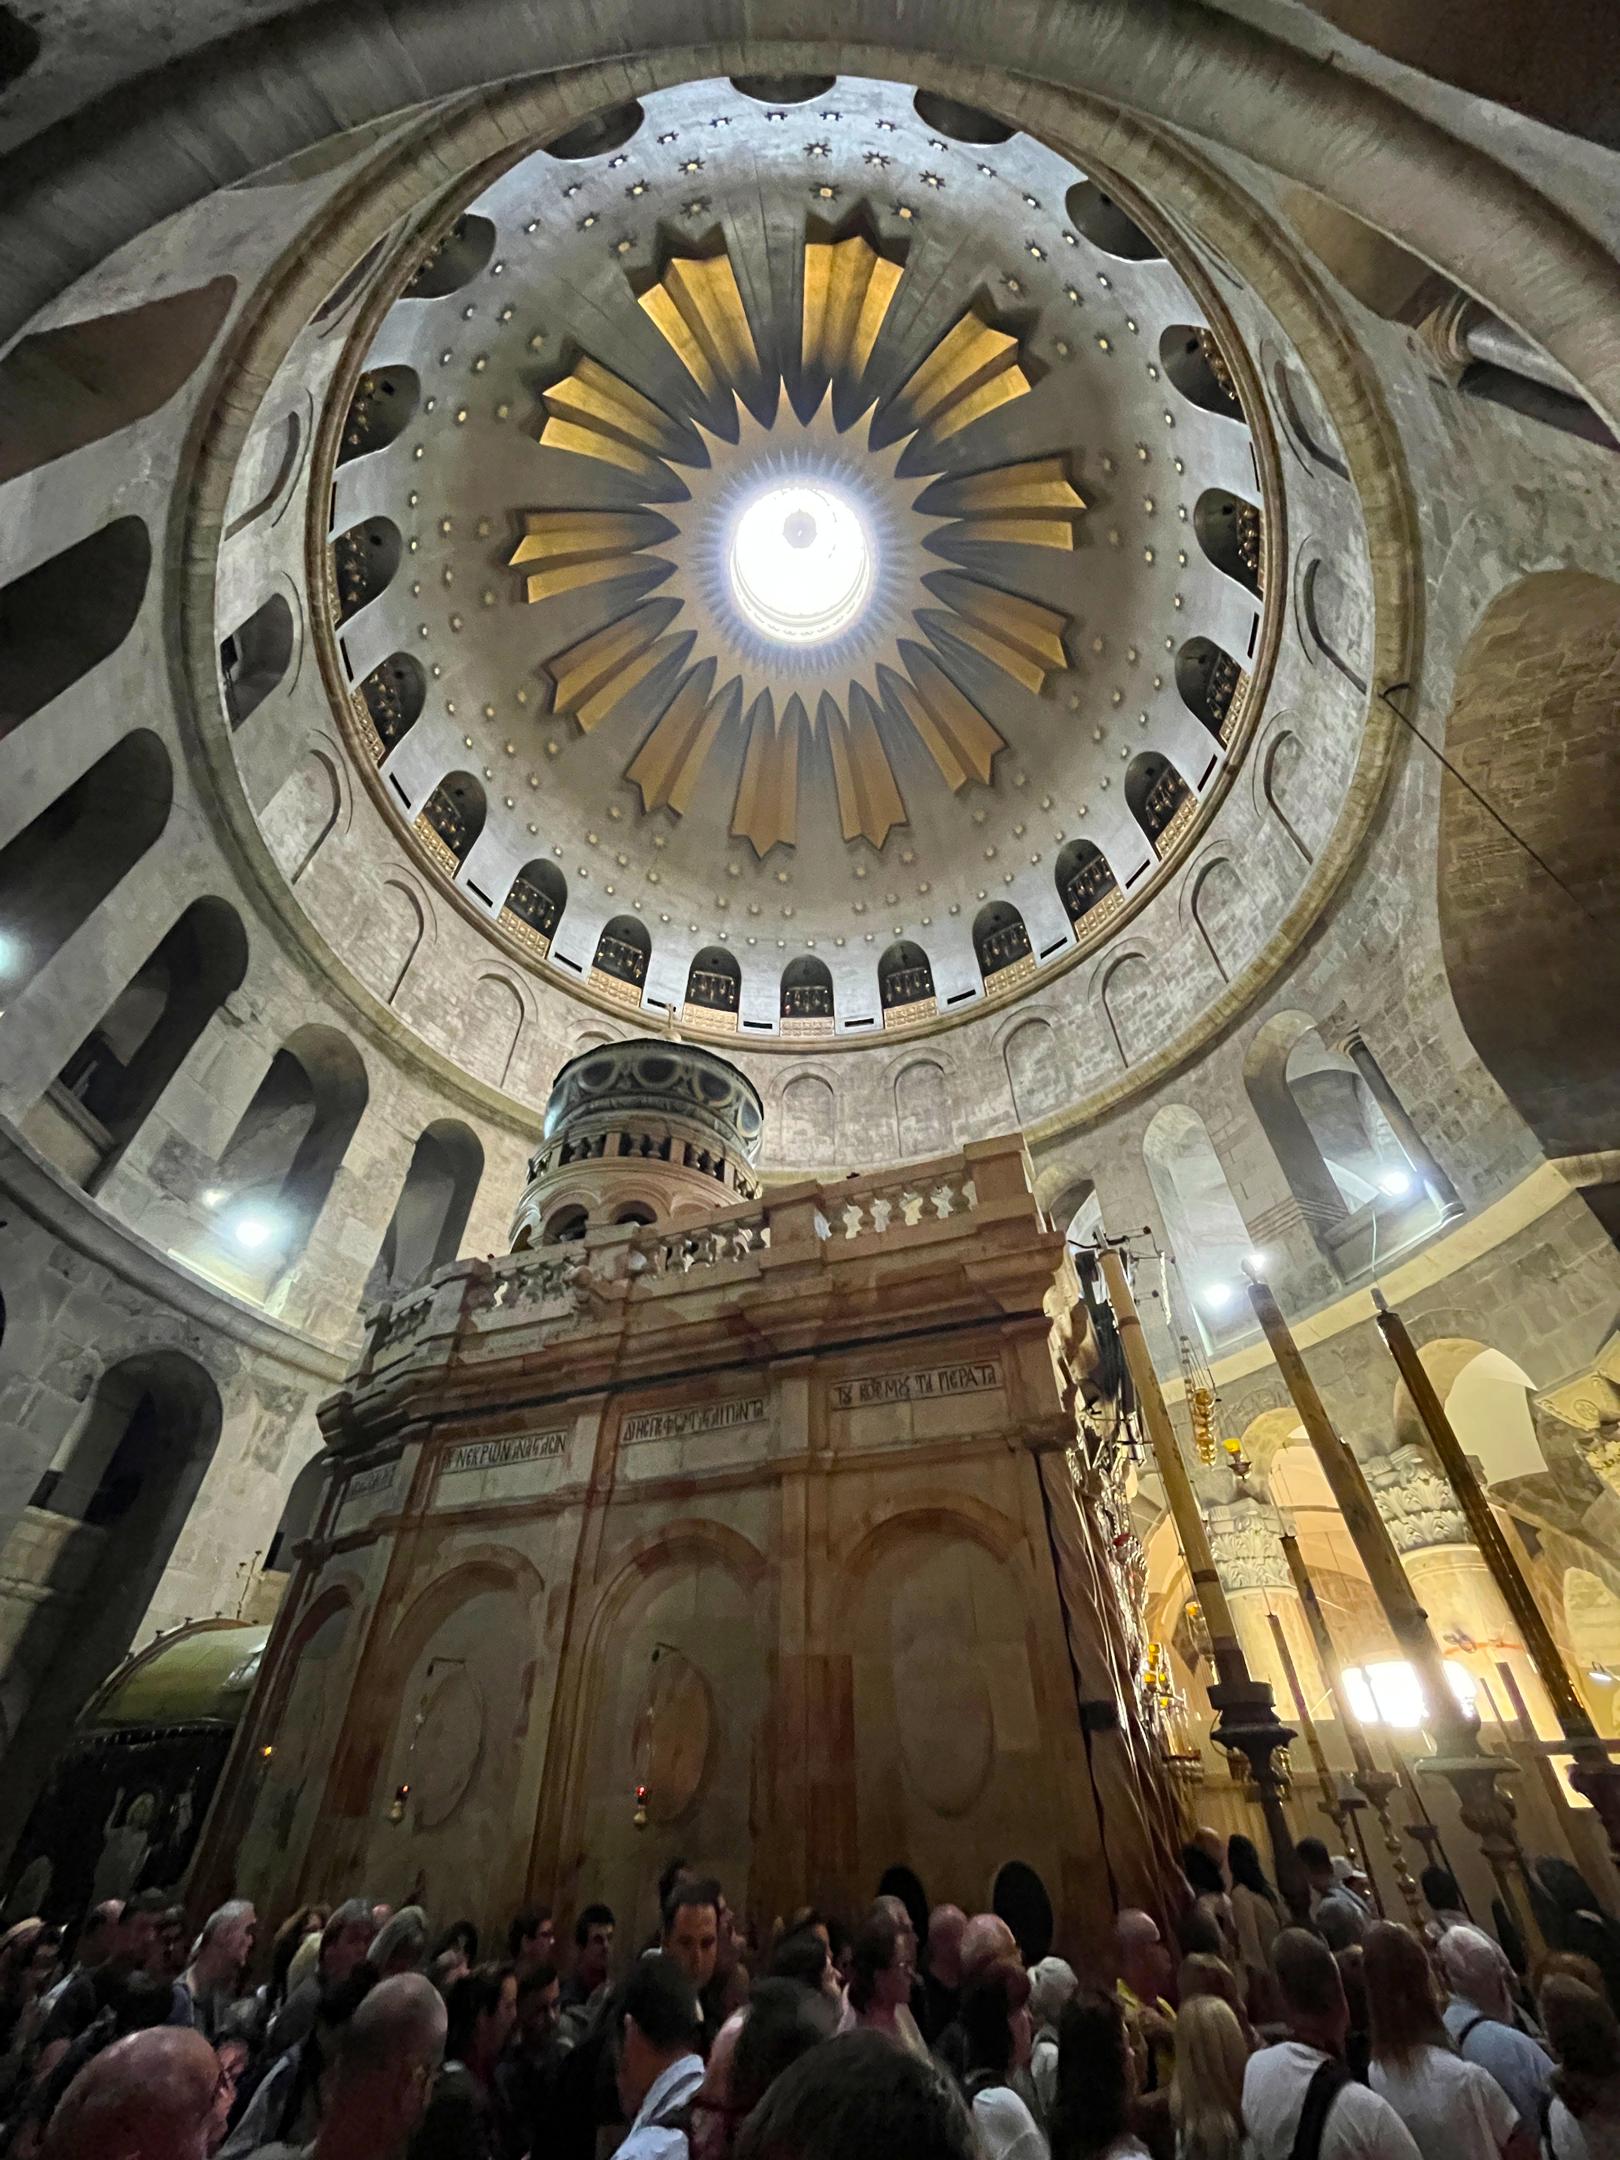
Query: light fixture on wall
(396, 1806)
(253, 1230)
(1395, 1180)
(1600, 1675)
(1255, 1262)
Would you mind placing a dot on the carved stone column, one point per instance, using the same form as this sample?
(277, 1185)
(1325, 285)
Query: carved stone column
(1467, 1612)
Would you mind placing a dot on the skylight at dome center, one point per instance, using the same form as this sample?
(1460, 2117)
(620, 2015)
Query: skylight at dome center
(800, 563)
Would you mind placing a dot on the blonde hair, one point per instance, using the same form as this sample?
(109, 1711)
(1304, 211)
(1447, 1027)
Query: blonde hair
(1206, 2092)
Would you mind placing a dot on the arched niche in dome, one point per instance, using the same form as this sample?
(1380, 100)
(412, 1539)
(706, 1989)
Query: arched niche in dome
(1084, 879)
(1156, 795)
(534, 904)
(365, 562)
(430, 1216)
(453, 261)
(905, 977)
(1210, 683)
(609, 129)
(254, 660)
(381, 408)
(622, 951)
(451, 819)
(1231, 532)
(960, 123)
(58, 870)
(714, 980)
(1195, 364)
(1001, 941)
(1094, 212)
(108, 1086)
(807, 990)
(393, 694)
(783, 89)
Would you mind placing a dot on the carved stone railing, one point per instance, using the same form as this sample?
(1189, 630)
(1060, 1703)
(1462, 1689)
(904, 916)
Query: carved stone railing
(871, 1207)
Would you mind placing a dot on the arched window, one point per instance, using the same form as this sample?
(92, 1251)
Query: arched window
(1231, 533)
(807, 997)
(126, 1481)
(1194, 362)
(1212, 685)
(567, 1227)
(533, 908)
(69, 613)
(453, 261)
(637, 1211)
(393, 695)
(430, 1216)
(1001, 944)
(277, 1168)
(100, 1099)
(1208, 1237)
(364, 562)
(905, 985)
(1095, 213)
(622, 953)
(58, 870)
(450, 821)
(1159, 799)
(256, 657)
(714, 981)
(1086, 885)
(383, 402)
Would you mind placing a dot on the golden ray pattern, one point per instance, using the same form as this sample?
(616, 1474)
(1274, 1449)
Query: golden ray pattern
(712, 680)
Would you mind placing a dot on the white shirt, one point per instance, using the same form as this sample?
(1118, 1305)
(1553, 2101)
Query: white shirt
(1519, 2066)
(650, 2140)
(1454, 2109)
(1360, 2126)
(1006, 2127)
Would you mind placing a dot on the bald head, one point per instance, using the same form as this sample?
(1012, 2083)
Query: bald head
(386, 2059)
(1475, 1969)
(1144, 1965)
(986, 1938)
(945, 1925)
(149, 2097)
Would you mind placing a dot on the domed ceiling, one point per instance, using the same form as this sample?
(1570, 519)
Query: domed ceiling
(798, 555)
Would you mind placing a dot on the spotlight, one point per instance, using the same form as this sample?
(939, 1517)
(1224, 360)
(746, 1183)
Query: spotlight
(214, 1195)
(1600, 1675)
(1255, 1262)
(253, 1232)
(1395, 1181)
(1218, 1294)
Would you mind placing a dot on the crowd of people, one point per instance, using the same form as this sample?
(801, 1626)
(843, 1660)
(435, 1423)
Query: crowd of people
(907, 2035)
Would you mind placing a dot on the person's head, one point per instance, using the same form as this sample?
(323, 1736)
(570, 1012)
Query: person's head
(42, 1960)
(139, 1932)
(986, 1938)
(148, 2097)
(1096, 2076)
(692, 1928)
(1439, 1887)
(1199, 1931)
(995, 2018)
(1051, 1983)
(1402, 2012)
(169, 1958)
(1206, 2091)
(1584, 2036)
(234, 2053)
(284, 1944)
(1243, 1865)
(897, 1911)
(134, 2000)
(400, 1945)
(1475, 1970)
(345, 1939)
(1312, 1993)
(99, 1937)
(447, 1968)
(1212, 1845)
(946, 1924)
(859, 2094)
(1144, 1963)
(1201, 1974)
(531, 1939)
(1317, 1862)
(387, 2060)
(675, 1871)
(661, 2022)
(803, 1956)
(1570, 1965)
(1568, 1888)
(539, 2006)
(880, 1978)
(1203, 1868)
(784, 2021)
(593, 1946)
(226, 1942)
(481, 2011)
